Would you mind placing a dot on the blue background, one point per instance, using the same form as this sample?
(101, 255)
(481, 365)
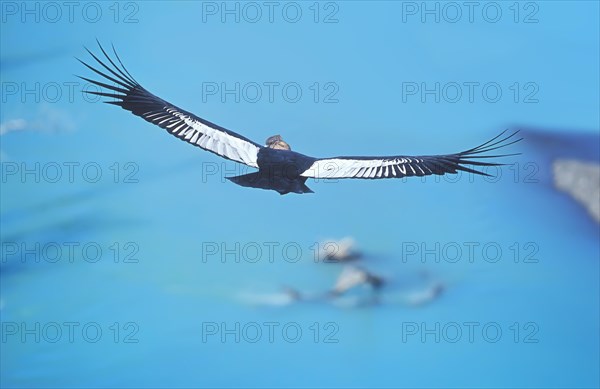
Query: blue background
(177, 206)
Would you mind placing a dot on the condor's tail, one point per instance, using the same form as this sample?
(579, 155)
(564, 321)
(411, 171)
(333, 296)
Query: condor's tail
(282, 185)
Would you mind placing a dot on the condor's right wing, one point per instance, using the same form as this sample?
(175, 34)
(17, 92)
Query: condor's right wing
(130, 95)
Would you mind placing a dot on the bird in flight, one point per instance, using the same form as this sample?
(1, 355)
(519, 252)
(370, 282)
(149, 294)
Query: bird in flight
(279, 168)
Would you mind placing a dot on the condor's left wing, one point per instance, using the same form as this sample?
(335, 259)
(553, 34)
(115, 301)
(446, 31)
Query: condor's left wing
(405, 166)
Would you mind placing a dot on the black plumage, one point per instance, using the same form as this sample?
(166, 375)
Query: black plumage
(279, 168)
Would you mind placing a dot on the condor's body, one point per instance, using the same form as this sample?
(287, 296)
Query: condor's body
(279, 170)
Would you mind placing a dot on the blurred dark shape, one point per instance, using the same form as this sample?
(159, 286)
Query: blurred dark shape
(581, 180)
(351, 278)
(356, 288)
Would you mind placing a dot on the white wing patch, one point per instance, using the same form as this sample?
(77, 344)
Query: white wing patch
(212, 139)
(362, 168)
